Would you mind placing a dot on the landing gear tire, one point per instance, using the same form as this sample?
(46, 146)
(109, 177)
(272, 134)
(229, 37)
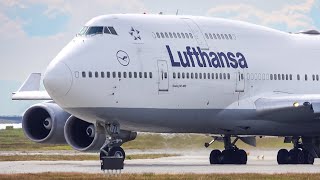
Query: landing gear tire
(117, 152)
(215, 157)
(283, 156)
(296, 156)
(242, 157)
(227, 156)
(308, 158)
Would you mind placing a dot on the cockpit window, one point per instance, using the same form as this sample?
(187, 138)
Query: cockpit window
(83, 30)
(112, 30)
(94, 30)
(106, 30)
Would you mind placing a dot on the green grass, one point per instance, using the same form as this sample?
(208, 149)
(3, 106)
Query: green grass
(41, 157)
(160, 176)
(14, 140)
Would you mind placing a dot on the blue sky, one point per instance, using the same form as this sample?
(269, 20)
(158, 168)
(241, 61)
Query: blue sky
(32, 32)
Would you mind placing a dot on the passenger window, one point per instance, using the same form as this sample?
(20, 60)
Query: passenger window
(242, 76)
(204, 76)
(206, 35)
(178, 75)
(108, 74)
(214, 36)
(218, 36)
(102, 74)
(190, 35)
(210, 35)
(275, 77)
(279, 76)
(187, 75)
(306, 77)
(230, 36)
(112, 30)
(212, 76)
(222, 36)
(271, 77)
(200, 75)
(290, 77)
(90, 74)
(165, 75)
(158, 35)
(119, 74)
(145, 75)
(135, 74)
(170, 34)
(283, 78)
(313, 77)
(220, 75)
(287, 77)
(96, 74)
(208, 75)
(114, 74)
(150, 75)
(183, 75)
(140, 74)
(166, 34)
(179, 35)
(83, 74)
(174, 35)
(182, 34)
(174, 75)
(191, 75)
(196, 75)
(162, 35)
(130, 74)
(298, 77)
(224, 76)
(226, 36)
(317, 77)
(217, 76)
(124, 74)
(106, 30)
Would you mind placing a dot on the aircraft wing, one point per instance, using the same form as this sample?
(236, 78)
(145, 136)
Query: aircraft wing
(289, 108)
(30, 89)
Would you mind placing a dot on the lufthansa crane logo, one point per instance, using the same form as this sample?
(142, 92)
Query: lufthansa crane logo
(123, 58)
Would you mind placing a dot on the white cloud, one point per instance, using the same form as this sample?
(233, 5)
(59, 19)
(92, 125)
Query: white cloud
(295, 16)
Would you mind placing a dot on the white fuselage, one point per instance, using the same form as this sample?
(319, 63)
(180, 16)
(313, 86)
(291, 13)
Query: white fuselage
(242, 67)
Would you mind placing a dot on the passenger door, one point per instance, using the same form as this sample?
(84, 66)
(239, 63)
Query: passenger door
(240, 82)
(163, 76)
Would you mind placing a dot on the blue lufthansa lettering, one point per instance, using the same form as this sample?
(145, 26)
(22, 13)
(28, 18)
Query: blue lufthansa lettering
(212, 59)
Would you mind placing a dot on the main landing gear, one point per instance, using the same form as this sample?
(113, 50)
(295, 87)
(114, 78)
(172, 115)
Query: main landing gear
(297, 155)
(231, 154)
(111, 147)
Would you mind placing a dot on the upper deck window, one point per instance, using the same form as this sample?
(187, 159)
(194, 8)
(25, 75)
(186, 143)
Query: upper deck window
(94, 30)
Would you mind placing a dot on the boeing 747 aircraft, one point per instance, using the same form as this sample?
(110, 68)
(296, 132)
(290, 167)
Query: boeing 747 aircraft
(128, 73)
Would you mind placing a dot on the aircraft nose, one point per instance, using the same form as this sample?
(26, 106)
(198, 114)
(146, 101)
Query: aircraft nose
(58, 79)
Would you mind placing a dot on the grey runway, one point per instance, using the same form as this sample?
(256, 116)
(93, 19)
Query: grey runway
(188, 163)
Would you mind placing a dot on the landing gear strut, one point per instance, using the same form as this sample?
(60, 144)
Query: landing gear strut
(298, 155)
(231, 155)
(111, 147)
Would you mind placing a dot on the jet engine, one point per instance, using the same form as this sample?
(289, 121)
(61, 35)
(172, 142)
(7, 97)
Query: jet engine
(82, 135)
(44, 123)
(85, 136)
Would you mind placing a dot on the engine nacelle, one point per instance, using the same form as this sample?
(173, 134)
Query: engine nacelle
(44, 123)
(82, 135)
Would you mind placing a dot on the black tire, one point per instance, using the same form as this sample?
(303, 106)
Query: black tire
(308, 158)
(242, 156)
(227, 157)
(283, 156)
(296, 156)
(117, 152)
(215, 157)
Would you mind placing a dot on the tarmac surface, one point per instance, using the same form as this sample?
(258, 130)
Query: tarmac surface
(189, 162)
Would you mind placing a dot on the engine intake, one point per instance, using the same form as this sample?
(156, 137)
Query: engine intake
(44, 123)
(82, 135)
